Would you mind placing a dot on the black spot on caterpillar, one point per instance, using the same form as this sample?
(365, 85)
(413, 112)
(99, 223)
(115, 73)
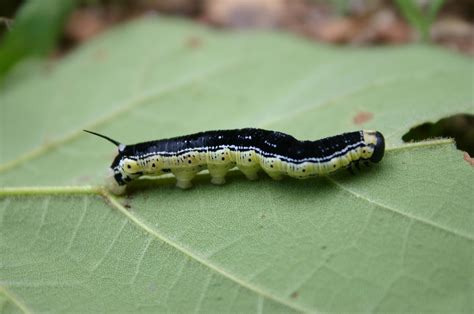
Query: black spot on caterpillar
(248, 149)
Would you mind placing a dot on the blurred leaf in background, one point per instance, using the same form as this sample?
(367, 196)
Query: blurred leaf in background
(419, 18)
(36, 27)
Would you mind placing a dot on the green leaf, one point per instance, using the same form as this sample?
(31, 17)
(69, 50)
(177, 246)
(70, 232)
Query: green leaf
(394, 238)
(416, 16)
(34, 32)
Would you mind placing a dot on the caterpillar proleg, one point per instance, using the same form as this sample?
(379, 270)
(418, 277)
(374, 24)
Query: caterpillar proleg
(250, 150)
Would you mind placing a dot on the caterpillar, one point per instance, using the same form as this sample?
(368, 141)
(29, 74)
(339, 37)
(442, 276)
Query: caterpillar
(247, 149)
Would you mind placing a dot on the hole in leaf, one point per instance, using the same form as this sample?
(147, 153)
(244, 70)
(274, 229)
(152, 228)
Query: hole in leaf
(460, 127)
(469, 159)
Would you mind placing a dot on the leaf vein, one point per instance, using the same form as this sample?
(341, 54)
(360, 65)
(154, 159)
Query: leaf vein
(203, 292)
(398, 212)
(15, 299)
(109, 248)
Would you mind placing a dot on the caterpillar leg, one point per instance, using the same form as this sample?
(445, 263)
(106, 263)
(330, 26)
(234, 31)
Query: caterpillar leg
(218, 173)
(184, 184)
(355, 166)
(183, 178)
(218, 180)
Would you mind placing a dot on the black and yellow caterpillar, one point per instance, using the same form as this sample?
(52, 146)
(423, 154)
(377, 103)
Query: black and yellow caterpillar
(248, 149)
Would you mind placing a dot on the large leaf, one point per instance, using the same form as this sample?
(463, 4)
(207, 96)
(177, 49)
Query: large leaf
(396, 237)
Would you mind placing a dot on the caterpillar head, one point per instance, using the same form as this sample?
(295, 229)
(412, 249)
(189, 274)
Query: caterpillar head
(376, 141)
(379, 148)
(123, 169)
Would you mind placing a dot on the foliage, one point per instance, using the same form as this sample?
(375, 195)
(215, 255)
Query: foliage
(415, 15)
(34, 32)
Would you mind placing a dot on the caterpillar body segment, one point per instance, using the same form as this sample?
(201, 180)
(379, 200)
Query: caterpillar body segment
(250, 150)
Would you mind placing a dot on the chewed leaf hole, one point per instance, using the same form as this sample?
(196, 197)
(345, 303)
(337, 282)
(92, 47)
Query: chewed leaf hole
(460, 127)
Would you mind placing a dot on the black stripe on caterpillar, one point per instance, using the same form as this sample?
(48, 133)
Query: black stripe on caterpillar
(247, 149)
